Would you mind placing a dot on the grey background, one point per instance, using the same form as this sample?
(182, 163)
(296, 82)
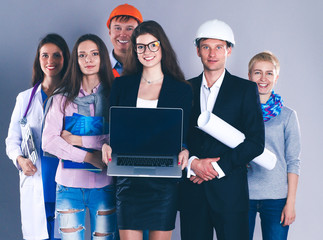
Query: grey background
(290, 29)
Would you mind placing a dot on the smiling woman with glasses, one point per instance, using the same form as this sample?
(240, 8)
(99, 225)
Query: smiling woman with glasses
(152, 78)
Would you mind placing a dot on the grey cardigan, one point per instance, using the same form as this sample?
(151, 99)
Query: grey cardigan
(282, 137)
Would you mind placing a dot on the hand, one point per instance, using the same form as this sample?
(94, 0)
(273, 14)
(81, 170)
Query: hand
(106, 153)
(183, 158)
(95, 158)
(27, 166)
(204, 169)
(71, 139)
(288, 215)
(196, 179)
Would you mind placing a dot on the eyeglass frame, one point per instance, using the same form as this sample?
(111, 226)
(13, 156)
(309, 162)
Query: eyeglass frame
(145, 47)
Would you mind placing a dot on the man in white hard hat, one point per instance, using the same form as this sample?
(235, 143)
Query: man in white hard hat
(217, 197)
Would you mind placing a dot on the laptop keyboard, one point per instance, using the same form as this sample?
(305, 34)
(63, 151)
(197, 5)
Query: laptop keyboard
(145, 162)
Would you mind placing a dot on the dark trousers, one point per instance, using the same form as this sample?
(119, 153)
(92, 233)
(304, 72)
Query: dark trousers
(198, 219)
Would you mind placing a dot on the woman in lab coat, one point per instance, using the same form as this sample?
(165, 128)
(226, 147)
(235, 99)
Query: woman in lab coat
(37, 176)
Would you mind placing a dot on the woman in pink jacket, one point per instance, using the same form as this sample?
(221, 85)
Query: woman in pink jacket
(82, 96)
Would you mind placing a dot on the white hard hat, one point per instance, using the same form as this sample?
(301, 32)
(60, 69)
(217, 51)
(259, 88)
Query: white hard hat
(215, 29)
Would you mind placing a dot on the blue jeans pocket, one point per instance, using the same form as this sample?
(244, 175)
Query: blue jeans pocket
(61, 188)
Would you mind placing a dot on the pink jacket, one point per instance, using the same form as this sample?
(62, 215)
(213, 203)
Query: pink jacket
(54, 144)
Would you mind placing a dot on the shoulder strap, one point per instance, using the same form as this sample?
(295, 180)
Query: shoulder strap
(31, 97)
(23, 120)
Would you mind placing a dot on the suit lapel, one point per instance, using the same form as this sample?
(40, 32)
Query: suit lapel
(166, 90)
(196, 85)
(224, 92)
(133, 91)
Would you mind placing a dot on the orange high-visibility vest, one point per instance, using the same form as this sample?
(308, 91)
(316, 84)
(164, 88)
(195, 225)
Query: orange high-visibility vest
(115, 73)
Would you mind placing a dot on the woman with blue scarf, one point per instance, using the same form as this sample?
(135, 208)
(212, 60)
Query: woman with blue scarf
(272, 193)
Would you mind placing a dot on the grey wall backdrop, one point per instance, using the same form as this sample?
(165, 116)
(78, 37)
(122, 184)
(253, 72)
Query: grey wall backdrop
(290, 29)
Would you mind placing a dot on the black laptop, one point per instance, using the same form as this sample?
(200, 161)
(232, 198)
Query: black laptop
(145, 142)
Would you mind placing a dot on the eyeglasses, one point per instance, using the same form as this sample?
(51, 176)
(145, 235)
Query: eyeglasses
(152, 46)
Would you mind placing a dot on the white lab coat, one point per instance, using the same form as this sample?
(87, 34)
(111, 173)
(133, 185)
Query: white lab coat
(32, 206)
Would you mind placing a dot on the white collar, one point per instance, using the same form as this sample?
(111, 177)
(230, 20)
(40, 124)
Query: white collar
(217, 84)
(113, 60)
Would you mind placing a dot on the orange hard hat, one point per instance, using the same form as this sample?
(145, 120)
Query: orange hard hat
(126, 10)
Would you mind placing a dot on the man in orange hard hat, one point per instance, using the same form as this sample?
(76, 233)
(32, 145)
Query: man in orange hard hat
(121, 23)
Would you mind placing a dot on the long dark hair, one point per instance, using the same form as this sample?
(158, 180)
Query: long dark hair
(71, 83)
(38, 74)
(169, 61)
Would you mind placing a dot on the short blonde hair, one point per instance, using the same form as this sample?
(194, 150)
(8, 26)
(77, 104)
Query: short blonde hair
(265, 56)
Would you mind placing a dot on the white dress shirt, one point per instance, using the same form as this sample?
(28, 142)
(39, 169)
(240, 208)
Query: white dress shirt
(208, 96)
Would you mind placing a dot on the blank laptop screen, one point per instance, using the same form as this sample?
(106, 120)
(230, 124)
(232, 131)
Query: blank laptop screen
(146, 131)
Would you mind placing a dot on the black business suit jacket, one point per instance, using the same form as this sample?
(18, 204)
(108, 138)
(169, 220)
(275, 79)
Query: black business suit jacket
(237, 104)
(173, 94)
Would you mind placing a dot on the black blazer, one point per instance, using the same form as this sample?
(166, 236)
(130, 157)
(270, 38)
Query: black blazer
(173, 94)
(238, 104)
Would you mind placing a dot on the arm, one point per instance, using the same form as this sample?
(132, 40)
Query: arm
(55, 144)
(74, 140)
(106, 153)
(26, 166)
(92, 142)
(253, 128)
(203, 169)
(114, 101)
(183, 158)
(14, 139)
(292, 153)
(198, 170)
(289, 214)
(186, 106)
(52, 141)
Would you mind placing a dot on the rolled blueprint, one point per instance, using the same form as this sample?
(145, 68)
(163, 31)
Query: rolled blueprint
(232, 137)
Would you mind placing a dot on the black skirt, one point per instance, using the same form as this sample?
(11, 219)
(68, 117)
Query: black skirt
(146, 203)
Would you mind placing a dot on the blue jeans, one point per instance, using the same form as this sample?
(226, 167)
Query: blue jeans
(270, 212)
(101, 205)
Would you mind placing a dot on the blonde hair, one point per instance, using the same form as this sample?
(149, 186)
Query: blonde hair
(265, 56)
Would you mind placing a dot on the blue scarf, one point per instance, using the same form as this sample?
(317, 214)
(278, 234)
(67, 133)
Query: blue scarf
(100, 101)
(272, 107)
